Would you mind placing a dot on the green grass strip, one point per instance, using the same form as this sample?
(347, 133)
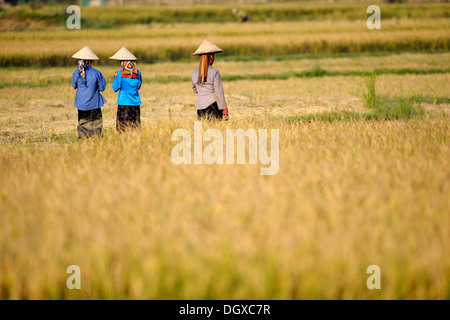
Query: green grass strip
(316, 72)
(294, 57)
(312, 73)
(384, 109)
(334, 116)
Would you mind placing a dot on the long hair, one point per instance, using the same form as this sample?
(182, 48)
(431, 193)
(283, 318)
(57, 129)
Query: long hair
(205, 61)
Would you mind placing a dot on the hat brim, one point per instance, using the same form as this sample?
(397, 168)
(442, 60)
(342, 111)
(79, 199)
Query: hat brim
(85, 54)
(209, 52)
(123, 55)
(207, 47)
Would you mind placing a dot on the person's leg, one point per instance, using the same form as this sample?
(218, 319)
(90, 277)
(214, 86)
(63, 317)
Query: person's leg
(120, 119)
(132, 117)
(128, 117)
(211, 113)
(203, 114)
(81, 121)
(90, 123)
(97, 122)
(216, 112)
(135, 117)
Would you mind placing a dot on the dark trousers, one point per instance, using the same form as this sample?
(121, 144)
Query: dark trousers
(212, 112)
(90, 123)
(128, 117)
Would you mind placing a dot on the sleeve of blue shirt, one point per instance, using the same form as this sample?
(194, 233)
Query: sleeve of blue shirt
(101, 82)
(140, 80)
(117, 82)
(74, 79)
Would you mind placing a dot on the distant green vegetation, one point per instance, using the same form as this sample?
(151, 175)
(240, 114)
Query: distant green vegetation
(108, 17)
(37, 36)
(236, 51)
(369, 97)
(160, 34)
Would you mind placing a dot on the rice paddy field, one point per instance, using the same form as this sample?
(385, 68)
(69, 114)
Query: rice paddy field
(363, 179)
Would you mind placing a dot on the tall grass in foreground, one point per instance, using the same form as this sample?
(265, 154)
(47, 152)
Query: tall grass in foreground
(370, 97)
(348, 194)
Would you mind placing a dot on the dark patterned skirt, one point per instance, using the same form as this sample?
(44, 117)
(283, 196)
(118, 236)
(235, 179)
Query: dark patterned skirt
(128, 117)
(212, 112)
(90, 123)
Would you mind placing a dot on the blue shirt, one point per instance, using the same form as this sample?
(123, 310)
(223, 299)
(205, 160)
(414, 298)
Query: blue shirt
(88, 95)
(129, 87)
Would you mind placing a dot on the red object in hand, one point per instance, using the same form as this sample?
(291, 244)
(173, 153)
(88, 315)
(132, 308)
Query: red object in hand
(225, 114)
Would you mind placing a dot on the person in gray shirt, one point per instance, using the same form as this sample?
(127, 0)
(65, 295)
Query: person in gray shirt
(207, 84)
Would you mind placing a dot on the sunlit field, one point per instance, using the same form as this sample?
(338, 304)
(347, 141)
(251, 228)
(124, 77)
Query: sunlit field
(363, 179)
(172, 42)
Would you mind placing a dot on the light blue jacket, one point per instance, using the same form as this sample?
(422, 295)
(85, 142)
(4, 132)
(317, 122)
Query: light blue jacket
(129, 90)
(88, 95)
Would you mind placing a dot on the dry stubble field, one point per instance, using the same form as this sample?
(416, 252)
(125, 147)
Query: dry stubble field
(350, 192)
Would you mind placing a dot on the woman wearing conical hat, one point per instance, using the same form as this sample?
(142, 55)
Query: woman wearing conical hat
(88, 82)
(207, 83)
(128, 81)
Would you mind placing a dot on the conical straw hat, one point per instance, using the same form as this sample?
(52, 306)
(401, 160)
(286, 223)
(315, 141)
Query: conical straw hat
(85, 54)
(123, 54)
(207, 47)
